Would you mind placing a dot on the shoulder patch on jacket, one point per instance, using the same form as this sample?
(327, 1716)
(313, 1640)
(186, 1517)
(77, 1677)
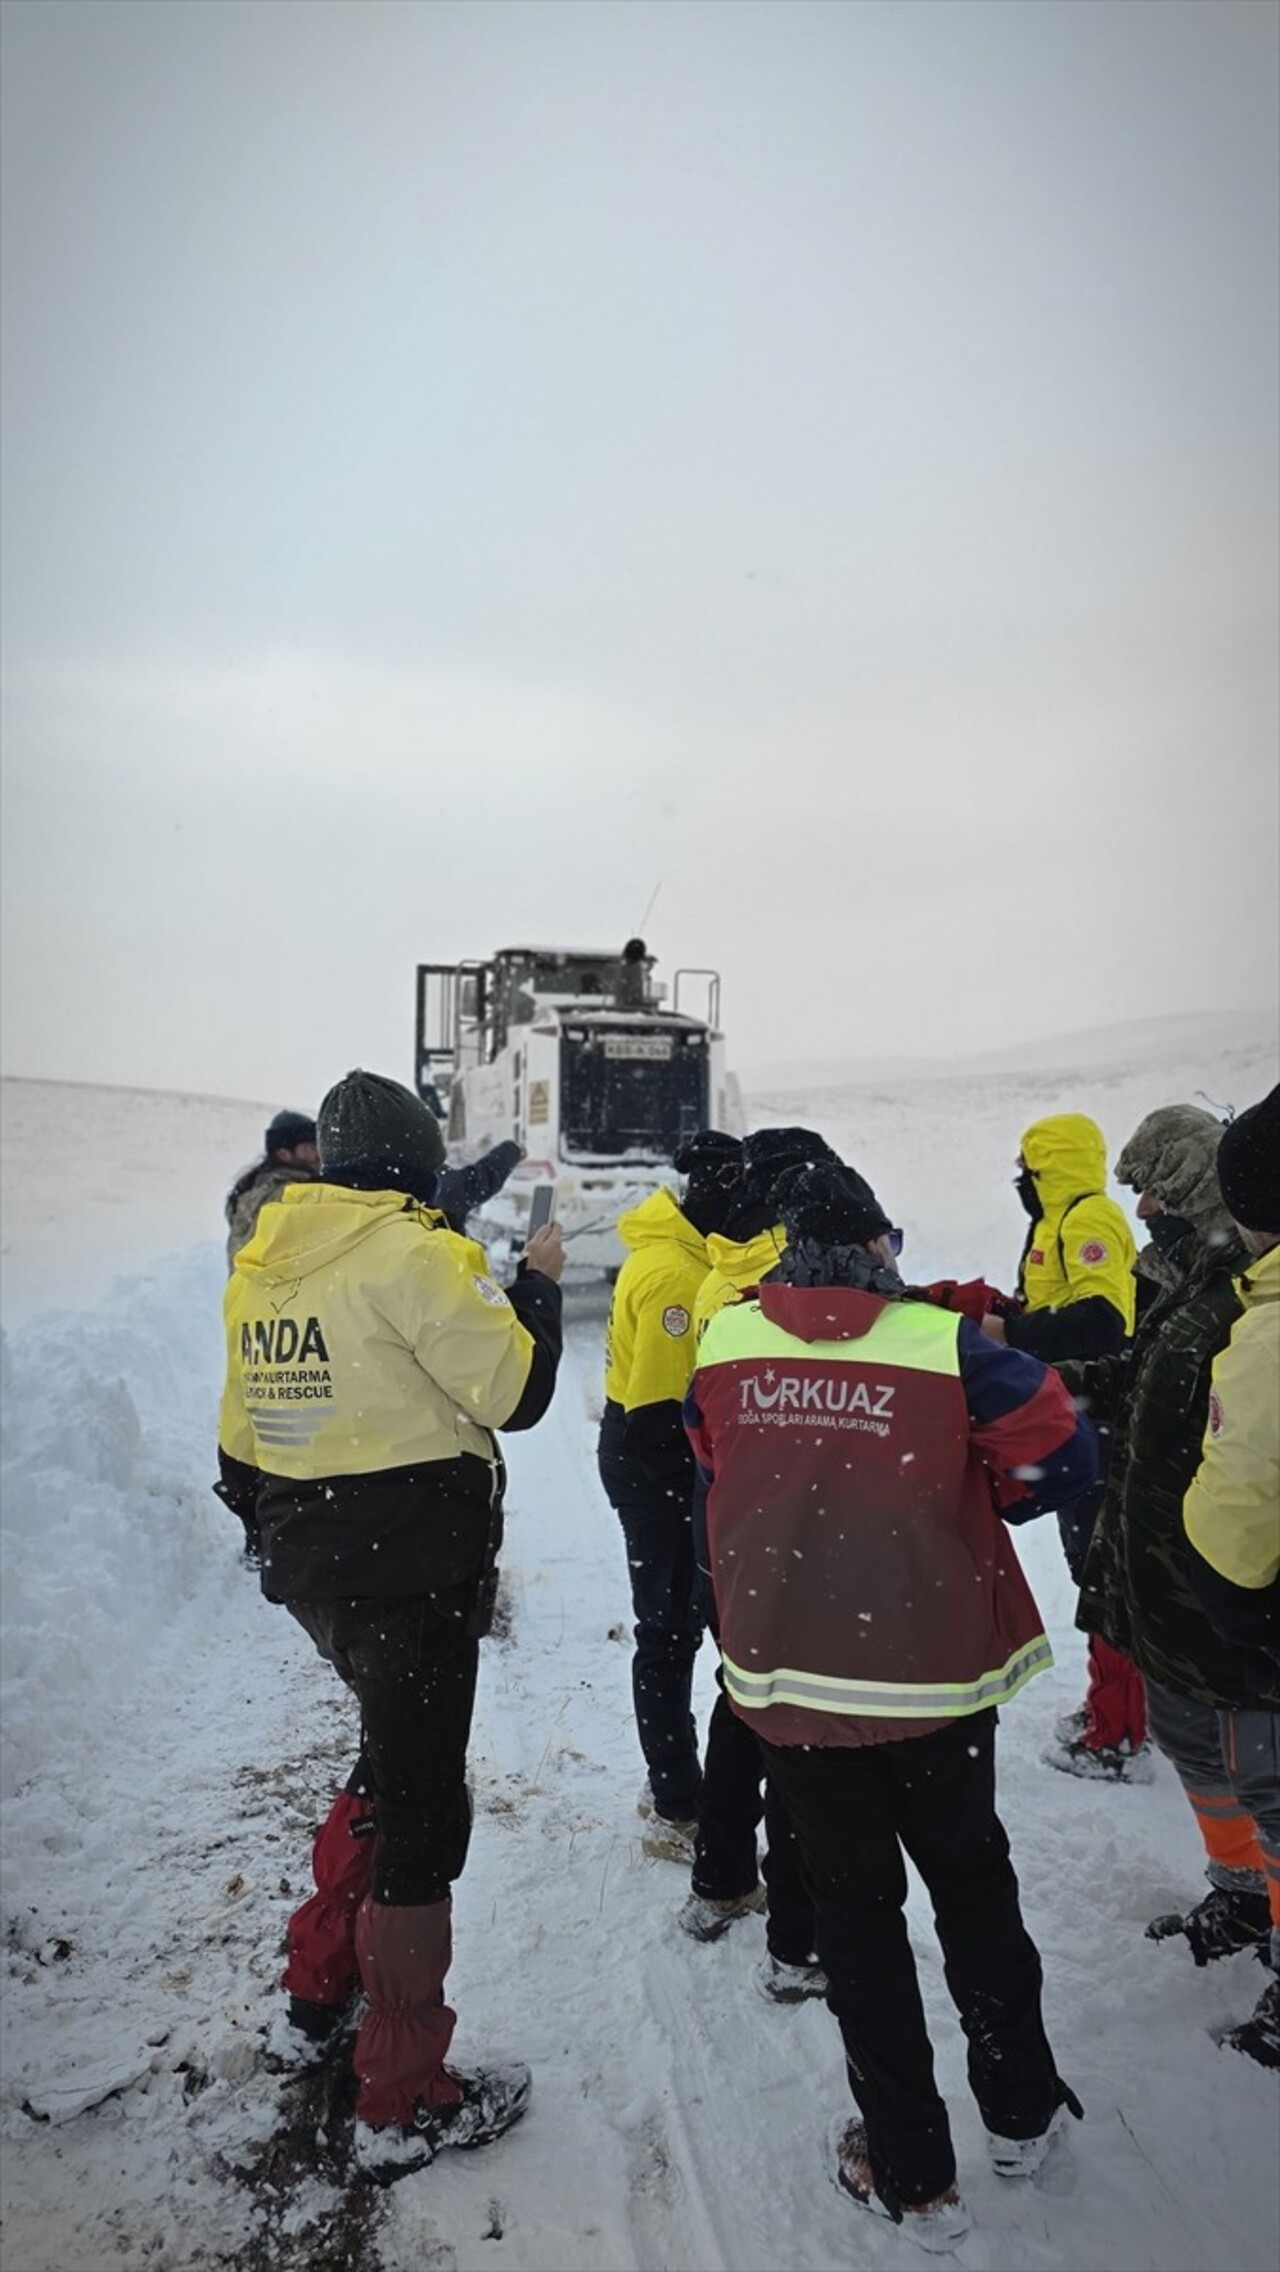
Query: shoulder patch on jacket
(488, 1292)
(1216, 1414)
(675, 1319)
(1094, 1250)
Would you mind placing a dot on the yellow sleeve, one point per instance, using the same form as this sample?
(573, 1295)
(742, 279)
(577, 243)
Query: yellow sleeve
(663, 1345)
(1232, 1511)
(1098, 1254)
(235, 1436)
(460, 1326)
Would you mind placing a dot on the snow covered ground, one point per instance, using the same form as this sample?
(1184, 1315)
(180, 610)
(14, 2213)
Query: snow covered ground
(171, 1739)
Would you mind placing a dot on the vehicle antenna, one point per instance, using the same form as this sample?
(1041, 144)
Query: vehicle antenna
(649, 909)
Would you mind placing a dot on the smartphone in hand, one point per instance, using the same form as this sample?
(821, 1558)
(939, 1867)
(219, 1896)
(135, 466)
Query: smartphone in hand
(541, 1208)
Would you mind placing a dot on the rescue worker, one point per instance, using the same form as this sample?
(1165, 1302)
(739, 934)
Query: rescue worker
(1137, 1591)
(289, 1155)
(369, 1359)
(1232, 1514)
(859, 1448)
(1078, 1299)
(736, 1794)
(647, 1471)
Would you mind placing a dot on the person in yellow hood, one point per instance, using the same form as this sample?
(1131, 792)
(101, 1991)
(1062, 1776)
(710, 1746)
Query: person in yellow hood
(1231, 1514)
(1079, 1299)
(647, 1471)
(370, 1356)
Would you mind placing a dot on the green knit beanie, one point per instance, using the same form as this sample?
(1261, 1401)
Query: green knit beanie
(368, 1121)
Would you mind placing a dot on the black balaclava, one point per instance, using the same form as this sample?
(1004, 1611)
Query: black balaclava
(1024, 1183)
(1167, 1232)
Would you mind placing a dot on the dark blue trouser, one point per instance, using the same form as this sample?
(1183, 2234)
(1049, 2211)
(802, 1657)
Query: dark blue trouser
(668, 1629)
(724, 1862)
(855, 1810)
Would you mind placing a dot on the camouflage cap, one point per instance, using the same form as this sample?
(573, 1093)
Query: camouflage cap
(1174, 1153)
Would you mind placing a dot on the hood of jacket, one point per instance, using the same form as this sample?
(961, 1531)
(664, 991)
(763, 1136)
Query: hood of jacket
(744, 1262)
(314, 1226)
(1173, 1153)
(1067, 1155)
(658, 1220)
(821, 1313)
(1260, 1279)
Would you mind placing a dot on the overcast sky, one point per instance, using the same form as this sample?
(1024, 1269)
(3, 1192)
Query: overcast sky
(471, 466)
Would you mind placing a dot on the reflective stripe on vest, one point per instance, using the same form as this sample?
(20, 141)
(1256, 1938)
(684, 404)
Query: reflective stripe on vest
(882, 1699)
(915, 1335)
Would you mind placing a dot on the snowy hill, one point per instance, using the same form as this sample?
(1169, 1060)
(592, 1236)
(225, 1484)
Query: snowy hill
(171, 1739)
(1229, 1039)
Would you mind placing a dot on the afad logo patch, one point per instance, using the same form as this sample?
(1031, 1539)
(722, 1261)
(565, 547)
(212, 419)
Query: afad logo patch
(1093, 1250)
(675, 1320)
(1216, 1414)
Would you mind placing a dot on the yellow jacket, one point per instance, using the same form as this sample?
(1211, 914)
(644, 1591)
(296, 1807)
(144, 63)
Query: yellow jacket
(649, 1341)
(736, 1265)
(1232, 1511)
(363, 1334)
(1081, 1246)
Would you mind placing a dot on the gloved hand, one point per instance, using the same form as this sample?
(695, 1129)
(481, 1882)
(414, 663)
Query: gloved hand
(971, 1296)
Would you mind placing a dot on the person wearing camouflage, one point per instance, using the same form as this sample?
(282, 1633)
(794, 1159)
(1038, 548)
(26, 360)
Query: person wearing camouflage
(1137, 1592)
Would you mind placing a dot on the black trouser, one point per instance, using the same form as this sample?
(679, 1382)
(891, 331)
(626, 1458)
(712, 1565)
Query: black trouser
(669, 1624)
(724, 1863)
(854, 1810)
(413, 1668)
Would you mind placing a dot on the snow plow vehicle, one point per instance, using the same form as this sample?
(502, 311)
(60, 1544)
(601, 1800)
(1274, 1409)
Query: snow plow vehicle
(575, 1054)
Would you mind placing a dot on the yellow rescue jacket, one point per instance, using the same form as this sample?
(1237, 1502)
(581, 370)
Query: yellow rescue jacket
(363, 1334)
(649, 1340)
(1232, 1511)
(1081, 1245)
(737, 1265)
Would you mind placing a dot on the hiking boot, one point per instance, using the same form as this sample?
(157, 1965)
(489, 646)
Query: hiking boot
(1229, 1918)
(1102, 1763)
(788, 1983)
(302, 2034)
(935, 2226)
(1071, 1726)
(1022, 2157)
(492, 2099)
(667, 1841)
(1258, 2036)
(705, 1920)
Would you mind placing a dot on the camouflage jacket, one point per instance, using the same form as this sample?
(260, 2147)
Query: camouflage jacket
(247, 1199)
(1155, 1400)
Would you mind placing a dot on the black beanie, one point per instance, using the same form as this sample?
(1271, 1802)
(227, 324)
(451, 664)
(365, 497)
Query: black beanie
(829, 1205)
(287, 1130)
(378, 1133)
(767, 1154)
(1249, 1165)
(712, 1164)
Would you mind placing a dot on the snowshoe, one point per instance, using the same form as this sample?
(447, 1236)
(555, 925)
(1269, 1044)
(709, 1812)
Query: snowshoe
(786, 1983)
(1102, 1763)
(1229, 1918)
(493, 2098)
(705, 1920)
(1258, 2036)
(935, 2226)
